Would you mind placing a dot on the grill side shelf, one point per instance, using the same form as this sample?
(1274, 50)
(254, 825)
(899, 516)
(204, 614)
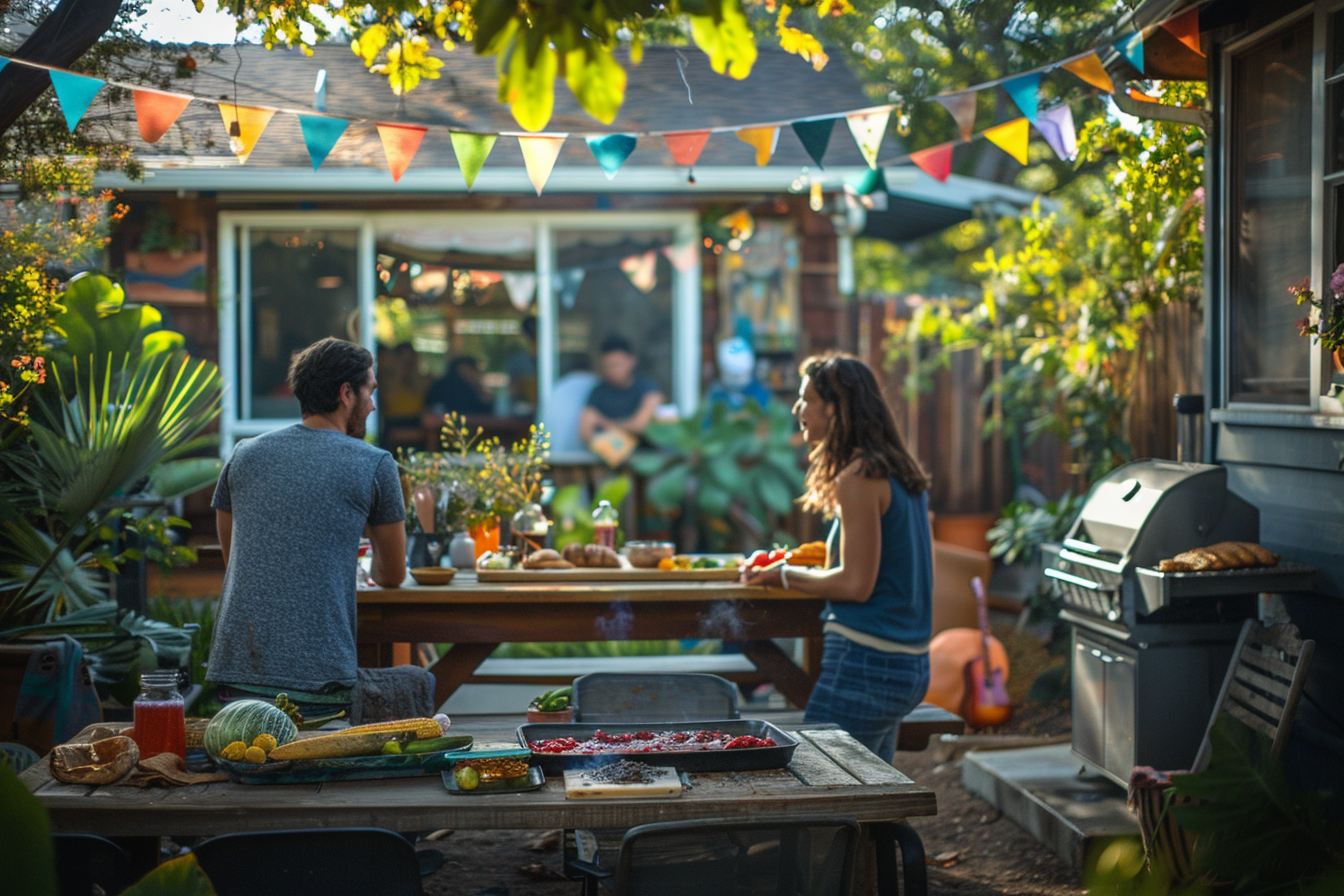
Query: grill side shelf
(1161, 587)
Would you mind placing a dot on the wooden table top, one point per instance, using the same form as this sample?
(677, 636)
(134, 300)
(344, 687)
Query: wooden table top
(465, 588)
(831, 773)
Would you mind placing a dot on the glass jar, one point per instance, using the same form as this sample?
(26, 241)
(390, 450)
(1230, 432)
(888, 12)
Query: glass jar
(530, 528)
(160, 715)
(605, 519)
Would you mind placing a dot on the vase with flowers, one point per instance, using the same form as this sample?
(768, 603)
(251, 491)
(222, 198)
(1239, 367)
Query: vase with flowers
(1325, 324)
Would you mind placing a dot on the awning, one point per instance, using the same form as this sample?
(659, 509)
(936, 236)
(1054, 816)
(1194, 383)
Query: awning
(920, 206)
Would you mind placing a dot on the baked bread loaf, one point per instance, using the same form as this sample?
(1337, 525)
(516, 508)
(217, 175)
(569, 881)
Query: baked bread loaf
(1224, 555)
(592, 556)
(546, 559)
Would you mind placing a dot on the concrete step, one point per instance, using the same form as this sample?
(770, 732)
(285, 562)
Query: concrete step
(1049, 793)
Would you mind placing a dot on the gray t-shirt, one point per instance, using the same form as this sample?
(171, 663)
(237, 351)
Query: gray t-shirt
(300, 498)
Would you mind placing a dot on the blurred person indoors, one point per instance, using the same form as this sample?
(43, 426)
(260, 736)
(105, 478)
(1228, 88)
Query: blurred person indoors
(737, 376)
(458, 390)
(622, 400)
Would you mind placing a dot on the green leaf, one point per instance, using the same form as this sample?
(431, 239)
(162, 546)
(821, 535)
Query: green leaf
(531, 86)
(647, 464)
(613, 491)
(724, 470)
(727, 40)
(163, 341)
(25, 839)
(712, 500)
(597, 81)
(178, 478)
(775, 494)
(495, 22)
(668, 489)
(179, 877)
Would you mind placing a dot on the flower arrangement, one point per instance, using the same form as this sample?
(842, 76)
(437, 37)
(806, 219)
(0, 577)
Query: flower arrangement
(1326, 327)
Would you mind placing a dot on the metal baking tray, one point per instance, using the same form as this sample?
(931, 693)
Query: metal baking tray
(1161, 587)
(740, 760)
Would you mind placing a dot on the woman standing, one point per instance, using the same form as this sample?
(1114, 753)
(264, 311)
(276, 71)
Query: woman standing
(879, 577)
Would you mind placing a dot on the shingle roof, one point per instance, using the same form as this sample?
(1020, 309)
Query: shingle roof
(781, 87)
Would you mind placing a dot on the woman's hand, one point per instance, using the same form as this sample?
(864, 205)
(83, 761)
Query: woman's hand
(763, 575)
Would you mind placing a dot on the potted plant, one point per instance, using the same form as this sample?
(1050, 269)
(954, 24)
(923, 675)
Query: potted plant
(1327, 325)
(1017, 539)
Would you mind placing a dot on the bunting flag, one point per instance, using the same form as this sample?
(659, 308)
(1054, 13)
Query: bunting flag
(1012, 138)
(642, 270)
(566, 283)
(539, 155)
(400, 144)
(75, 93)
(1132, 49)
(320, 134)
(521, 286)
(1141, 96)
(4, 61)
(1186, 29)
(686, 146)
(815, 137)
(471, 151)
(611, 151)
(1025, 91)
(868, 129)
(961, 106)
(252, 120)
(936, 161)
(763, 140)
(1090, 69)
(683, 257)
(1056, 126)
(155, 112)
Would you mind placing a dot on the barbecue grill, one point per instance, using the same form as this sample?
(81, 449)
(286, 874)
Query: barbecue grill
(1150, 648)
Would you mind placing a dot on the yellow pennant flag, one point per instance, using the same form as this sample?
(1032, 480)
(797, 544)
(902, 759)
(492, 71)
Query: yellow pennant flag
(762, 139)
(868, 129)
(539, 155)
(1090, 69)
(1011, 138)
(251, 122)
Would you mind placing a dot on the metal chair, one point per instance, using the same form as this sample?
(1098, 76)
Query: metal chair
(807, 856)
(84, 862)
(653, 697)
(313, 862)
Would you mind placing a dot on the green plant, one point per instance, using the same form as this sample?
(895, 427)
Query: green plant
(572, 521)
(1326, 326)
(1023, 527)
(200, 615)
(160, 234)
(735, 473)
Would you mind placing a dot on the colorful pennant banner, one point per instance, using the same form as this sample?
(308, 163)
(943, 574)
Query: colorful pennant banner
(686, 146)
(400, 144)
(1185, 29)
(1011, 137)
(763, 140)
(1090, 69)
(155, 112)
(1056, 126)
(1026, 93)
(320, 134)
(936, 161)
(250, 120)
(611, 151)
(539, 155)
(74, 92)
(868, 129)
(471, 150)
(815, 137)
(961, 106)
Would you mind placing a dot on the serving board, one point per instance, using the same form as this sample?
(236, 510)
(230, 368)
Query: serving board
(605, 574)
(577, 785)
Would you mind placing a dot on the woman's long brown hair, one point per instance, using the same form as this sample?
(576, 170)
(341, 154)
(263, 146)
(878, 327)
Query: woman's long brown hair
(862, 428)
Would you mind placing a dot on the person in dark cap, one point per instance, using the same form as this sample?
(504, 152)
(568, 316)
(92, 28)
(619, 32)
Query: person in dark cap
(622, 400)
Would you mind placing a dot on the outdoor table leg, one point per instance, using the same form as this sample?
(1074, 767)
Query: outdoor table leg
(456, 667)
(777, 667)
(887, 837)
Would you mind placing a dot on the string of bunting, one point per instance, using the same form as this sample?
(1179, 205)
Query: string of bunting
(156, 111)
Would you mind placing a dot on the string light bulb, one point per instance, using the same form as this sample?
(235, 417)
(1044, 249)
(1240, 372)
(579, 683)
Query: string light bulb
(815, 201)
(236, 145)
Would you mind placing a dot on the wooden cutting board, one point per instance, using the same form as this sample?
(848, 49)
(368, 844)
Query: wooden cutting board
(605, 574)
(577, 786)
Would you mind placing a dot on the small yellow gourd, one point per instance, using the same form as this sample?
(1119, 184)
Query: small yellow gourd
(255, 754)
(265, 741)
(234, 751)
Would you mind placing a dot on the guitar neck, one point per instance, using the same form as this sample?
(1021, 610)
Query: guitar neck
(982, 613)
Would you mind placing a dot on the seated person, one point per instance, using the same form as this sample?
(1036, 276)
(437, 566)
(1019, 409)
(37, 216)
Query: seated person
(622, 400)
(521, 366)
(459, 390)
(737, 376)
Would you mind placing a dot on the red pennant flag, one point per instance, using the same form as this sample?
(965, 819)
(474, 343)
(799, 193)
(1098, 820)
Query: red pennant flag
(400, 144)
(686, 146)
(936, 161)
(155, 112)
(1186, 29)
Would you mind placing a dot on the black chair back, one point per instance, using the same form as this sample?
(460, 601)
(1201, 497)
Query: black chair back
(313, 862)
(84, 861)
(601, 697)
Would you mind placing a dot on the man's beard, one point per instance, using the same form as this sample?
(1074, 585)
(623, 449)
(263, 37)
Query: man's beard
(355, 427)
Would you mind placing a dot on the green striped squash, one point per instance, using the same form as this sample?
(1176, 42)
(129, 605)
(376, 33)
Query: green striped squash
(243, 720)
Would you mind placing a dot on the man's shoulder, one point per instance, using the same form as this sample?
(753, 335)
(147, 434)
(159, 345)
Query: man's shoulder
(299, 439)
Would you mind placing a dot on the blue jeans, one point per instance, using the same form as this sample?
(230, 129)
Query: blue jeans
(867, 692)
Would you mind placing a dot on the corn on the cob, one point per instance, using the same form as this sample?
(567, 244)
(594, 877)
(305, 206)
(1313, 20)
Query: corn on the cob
(421, 727)
(338, 745)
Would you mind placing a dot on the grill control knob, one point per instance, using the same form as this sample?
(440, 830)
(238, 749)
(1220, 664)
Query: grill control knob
(1131, 488)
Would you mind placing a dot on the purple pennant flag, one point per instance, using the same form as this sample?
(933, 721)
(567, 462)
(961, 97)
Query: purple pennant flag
(1056, 126)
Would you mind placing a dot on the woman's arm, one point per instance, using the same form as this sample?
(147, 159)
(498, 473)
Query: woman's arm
(860, 548)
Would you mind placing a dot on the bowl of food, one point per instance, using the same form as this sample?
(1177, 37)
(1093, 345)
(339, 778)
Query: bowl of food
(433, 575)
(646, 554)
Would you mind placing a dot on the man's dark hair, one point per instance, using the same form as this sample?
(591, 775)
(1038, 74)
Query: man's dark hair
(317, 372)
(617, 343)
(529, 326)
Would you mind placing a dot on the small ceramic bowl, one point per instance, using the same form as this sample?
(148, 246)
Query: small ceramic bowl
(433, 575)
(562, 715)
(646, 554)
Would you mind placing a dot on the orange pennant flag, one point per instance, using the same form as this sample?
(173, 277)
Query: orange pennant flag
(936, 161)
(400, 144)
(1011, 137)
(155, 112)
(1090, 69)
(251, 122)
(763, 140)
(686, 146)
(539, 155)
(1186, 29)
(1141, 97)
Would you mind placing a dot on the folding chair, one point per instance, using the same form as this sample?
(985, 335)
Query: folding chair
(312, 862)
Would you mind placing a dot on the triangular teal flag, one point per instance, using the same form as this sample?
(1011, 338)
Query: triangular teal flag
(320, 134)
(75, 93)
(3, 62)
(612, 151)
(1026, 92)
(815, 137)
(1132, 49)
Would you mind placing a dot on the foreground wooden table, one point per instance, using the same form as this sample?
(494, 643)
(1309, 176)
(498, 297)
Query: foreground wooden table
(477, 618)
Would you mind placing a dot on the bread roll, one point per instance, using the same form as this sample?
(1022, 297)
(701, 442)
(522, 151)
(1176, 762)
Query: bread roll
(574, 553)
(1224, 555)
(543, 559)
(600, 556)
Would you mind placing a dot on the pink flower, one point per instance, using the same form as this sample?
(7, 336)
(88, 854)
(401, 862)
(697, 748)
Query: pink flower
(1337, 281)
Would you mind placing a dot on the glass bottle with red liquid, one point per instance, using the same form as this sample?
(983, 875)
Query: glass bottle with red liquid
(605, 519)
(160, 715)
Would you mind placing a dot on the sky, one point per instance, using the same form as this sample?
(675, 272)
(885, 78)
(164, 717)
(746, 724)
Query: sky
(177, 21)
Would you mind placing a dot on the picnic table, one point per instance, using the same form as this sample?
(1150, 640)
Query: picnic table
(830, 774)
(476, 618)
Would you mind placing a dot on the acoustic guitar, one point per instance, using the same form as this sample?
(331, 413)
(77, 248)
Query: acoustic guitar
(956, 658)
(985, 702)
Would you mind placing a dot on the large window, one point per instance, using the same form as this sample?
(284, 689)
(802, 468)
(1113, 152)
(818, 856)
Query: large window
(1269, 236)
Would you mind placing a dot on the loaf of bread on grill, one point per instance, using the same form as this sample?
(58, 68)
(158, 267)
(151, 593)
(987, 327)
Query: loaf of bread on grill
(1224, 555)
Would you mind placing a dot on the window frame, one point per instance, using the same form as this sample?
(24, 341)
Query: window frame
(235, 300)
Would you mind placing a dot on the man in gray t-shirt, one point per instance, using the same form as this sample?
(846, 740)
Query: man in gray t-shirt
(291, 507)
